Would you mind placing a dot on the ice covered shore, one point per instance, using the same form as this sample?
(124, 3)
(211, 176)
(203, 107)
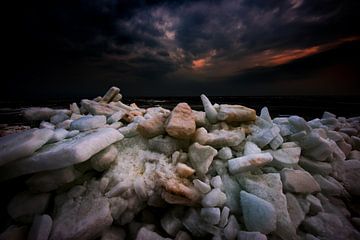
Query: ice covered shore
(106, 170)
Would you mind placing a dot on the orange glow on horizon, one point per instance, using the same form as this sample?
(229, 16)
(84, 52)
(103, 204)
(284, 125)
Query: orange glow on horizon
(204, 61)
(216, 68)
(293, 54)
(198, 64)
(289, 55)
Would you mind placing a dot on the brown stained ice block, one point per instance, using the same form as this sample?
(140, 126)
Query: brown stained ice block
(131, 115)
(62, 154)
(298, 181)
(235, 113)
(177, 187)
(181, 122)
(152, 127)
(219, 138)
(249, 162)
(184, 170)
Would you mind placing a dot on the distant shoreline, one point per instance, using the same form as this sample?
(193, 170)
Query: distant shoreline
(309, 107)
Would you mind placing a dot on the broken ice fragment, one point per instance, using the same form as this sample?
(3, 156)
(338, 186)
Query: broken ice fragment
(235, 113)
(209, 109)
(201, 186)
(219, 138)
(87, 123)
(181, 122)
(184, 170)
(259, 215)
(215, 198)
(251, 148)
(224, 153)
(264, 136)
(201, 157)
(298, 181)
(249, 162)
(22, 144)
(210, 215)
(285, 157)
(62, 154)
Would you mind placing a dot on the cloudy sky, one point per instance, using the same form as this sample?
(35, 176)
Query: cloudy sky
(76, 48)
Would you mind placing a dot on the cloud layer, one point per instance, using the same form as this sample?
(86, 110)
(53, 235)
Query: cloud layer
(181, 47)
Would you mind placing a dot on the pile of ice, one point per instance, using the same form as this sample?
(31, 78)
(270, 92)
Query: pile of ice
(108, 170)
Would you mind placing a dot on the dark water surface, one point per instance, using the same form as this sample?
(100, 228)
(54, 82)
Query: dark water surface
(309, 107)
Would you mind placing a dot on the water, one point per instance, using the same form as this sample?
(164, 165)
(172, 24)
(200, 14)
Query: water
(309, 107)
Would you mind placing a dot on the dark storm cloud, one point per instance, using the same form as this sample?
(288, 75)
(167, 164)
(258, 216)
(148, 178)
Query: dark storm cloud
(169, 46)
